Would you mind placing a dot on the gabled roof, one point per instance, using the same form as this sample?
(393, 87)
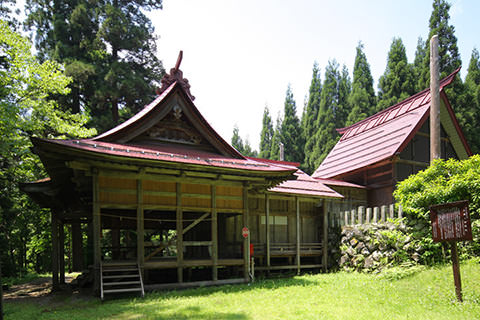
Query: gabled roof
(383, 135)
(168, 130)
(174, 110)
(304, 185)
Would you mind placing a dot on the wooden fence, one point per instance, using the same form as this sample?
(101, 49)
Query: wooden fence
(362, 215)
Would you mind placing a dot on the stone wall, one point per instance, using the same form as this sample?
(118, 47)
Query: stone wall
(373, 246)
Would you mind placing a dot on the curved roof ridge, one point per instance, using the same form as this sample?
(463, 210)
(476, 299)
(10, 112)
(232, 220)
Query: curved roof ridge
(142, 113)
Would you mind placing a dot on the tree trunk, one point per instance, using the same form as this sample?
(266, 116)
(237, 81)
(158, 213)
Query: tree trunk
(115, 111)
(75, 99)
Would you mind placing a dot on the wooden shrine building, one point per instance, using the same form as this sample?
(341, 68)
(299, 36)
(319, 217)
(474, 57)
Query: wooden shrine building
(163, 199)
(387, 147)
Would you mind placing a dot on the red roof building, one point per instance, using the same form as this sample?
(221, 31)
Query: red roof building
(387, 147)
(164, 194)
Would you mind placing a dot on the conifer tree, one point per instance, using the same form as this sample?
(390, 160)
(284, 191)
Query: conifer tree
(291, 133)
(109, 50)
(448, 53)
(398, 82)
(326, 135)
(247, 149)
(362, 97)
(344, 91)
(237, 141)
(276, 139)
(471, 115)
(418, 63)
(310, 119)
(447, 41)
(266, 135)
(449, 61)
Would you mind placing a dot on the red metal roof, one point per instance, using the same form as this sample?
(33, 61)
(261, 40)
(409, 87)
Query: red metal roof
(303, 185)
(306, 186)
(169, 153)
(339, 183)
(378, 137)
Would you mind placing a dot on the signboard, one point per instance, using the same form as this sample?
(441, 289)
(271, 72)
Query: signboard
(451, 222)
(245, 232)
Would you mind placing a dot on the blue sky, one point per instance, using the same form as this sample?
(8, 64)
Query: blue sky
(241, 55)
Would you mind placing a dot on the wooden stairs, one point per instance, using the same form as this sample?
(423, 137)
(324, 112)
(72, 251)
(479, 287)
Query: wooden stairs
(119, 278)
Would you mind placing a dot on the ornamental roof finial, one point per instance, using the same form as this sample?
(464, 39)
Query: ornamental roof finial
(175, 75)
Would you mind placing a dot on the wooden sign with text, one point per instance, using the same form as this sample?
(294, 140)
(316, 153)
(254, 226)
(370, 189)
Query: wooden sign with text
(451, 222)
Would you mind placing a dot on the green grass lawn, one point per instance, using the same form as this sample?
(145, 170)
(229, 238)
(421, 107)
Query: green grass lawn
(419, 294)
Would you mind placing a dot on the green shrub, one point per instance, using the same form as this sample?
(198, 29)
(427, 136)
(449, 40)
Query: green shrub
(442, 182)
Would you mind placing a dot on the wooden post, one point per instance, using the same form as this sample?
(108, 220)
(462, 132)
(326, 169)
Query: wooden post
(55, 283)
(61, 252)
(179, 233)
(375, 214)
(346, 218)
(352, 214)
(77, 246)
(392, 211)
(297, 220)
(383, 210)
(456, 271)
(369, 215)
(400, 211)
(246, 244)
(267, 228)
(97, 229)
(325, 237)
(214, 233)
(361, 213)
(140, 226)
(435, 146)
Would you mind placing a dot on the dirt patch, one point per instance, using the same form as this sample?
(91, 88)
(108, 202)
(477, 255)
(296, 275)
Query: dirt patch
(40, 291)
(34, 289)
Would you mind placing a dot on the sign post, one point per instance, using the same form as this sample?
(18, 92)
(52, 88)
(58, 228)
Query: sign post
(246, 235)
(451, 223)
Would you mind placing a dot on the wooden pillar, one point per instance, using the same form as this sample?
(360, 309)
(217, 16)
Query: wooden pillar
(267, 228)
(61, 252)
(297, 233)
(97, 229)
(435, 146)
(325, 237)
(77, 246)
(246, 245)
(383, 213)
(369, 215)
(214, 233)
(361, 214)
(55, 283)
(140, 226)
(179, 233)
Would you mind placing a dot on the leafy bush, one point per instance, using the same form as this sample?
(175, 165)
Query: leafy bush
(442, 182)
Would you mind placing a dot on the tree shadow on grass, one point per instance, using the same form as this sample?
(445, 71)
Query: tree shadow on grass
(160, 312)
(234, 288)
(155, 305)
